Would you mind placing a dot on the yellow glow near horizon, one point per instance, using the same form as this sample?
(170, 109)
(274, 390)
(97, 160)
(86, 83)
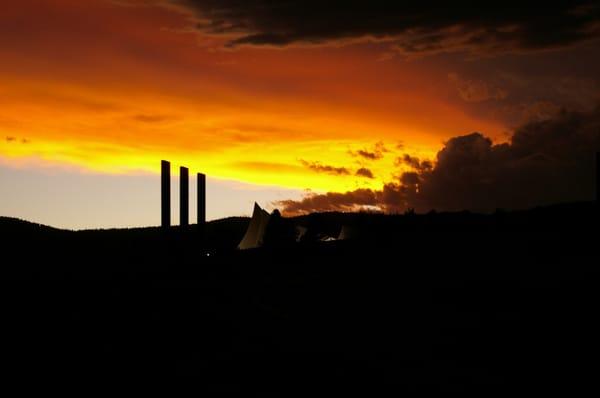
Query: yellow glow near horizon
(103, 132)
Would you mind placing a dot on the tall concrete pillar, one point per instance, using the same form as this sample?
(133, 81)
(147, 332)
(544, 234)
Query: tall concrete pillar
(201, 215)
(184, 196)
(165, 190)
(598, 178)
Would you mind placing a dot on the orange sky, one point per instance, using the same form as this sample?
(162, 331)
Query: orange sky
(114, 89)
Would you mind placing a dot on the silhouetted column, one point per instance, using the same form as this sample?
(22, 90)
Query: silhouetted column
(165, 187)
(184, 197)
(201, 215)
(598, 178)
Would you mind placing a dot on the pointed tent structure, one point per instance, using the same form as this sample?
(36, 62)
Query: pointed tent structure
(254, 236)
(300, 232)
(347, 232)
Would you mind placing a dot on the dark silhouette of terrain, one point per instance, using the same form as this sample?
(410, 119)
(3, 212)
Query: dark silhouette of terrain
(505, 302)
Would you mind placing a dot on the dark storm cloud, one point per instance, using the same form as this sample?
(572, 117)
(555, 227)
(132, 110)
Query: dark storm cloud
(545, 162)
(414, 27)
(471, 90)
(515, 92)
(323, 168)
(364, 172)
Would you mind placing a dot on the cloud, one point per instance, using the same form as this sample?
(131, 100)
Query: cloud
(414, 163)
(371, 154)
(331, 201)
(521, 113)
(545, 162)
(368, 155)
(321, 168)
(340, 171)
(364, 172)
(412, 28)
(390, 200)
(476, 90)
(152, 118)
(12, 139)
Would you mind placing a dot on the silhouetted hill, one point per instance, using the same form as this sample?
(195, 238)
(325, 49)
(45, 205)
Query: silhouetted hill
(562, 220)
(10, 225)
(438, 302)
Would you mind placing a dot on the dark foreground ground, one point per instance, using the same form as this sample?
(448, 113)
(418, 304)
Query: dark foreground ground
(504, 303)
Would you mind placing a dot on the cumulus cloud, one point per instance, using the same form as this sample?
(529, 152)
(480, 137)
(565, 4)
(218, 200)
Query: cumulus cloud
(364, 172)
(331, 201)
(545, 162)
(376, 153)
(359, 199)
(323, 168)
(414, 162)
(368, 155)
(340, 171)
(412, 28)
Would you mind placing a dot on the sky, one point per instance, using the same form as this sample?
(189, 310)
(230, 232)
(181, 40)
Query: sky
(298, 105)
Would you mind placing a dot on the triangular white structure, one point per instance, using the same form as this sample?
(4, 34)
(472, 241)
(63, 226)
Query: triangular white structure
(300, 232)
(347, 232)
(255, 233)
